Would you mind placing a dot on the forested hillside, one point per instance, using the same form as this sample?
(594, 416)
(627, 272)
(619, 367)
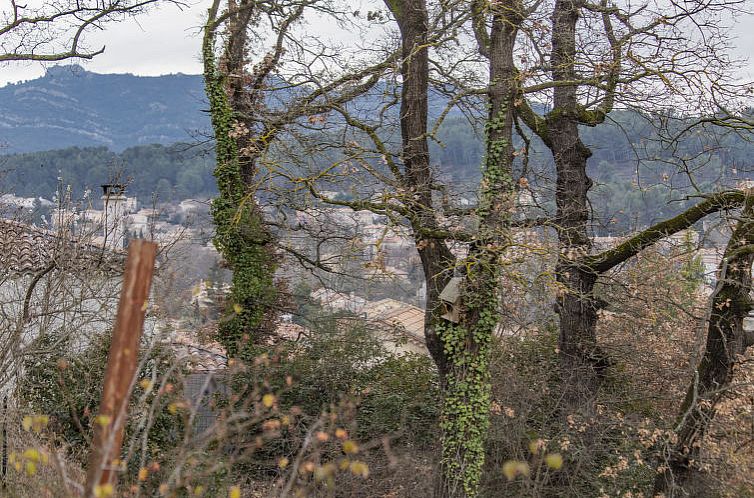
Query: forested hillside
(70, 106)
(171, 172)
(636, 183)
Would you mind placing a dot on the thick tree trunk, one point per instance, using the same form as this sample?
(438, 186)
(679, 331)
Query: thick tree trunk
(582, 362)
(726, 340)
(460, 350)
(466, 401)
(241, 234)
(437, 260)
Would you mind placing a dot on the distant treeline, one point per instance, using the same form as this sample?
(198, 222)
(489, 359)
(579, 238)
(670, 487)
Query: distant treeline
(639, 176)
(168, 172)
(637, 179)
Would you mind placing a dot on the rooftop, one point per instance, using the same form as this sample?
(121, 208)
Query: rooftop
(27, 249)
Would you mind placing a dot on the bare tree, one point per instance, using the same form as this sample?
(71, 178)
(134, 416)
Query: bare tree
(247, 122)
(602, 57)
(457, 333)
(592, 59)
(726, 343)
(57, 30)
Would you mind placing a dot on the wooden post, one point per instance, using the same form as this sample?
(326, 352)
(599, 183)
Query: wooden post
(122, 362)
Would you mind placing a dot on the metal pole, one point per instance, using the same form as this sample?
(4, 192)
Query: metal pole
(122, 362)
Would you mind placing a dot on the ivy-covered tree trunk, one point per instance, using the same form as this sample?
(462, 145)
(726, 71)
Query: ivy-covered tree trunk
(461, 349)
(240, 233)
(466, 403)
(726, 340)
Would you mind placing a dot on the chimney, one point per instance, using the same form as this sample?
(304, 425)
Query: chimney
(114, 200)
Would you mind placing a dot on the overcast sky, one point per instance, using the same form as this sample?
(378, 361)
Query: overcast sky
(167, 41)
(163, 41)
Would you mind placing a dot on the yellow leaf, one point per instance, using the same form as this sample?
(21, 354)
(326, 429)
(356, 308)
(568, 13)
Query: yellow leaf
(268, 400)
(39, 422)
(514, 468)
(32, 454)
(350, 447)
(535, 445)
(360, 469)
(237, 308)
(31, 468)
(234, 492)
(509, 470)
(283, 463)
(143, 474)
(554, 460)
(102, 420)
(103, 490)
(26, 423)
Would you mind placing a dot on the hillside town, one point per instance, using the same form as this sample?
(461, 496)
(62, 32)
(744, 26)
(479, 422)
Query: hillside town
(385, 254)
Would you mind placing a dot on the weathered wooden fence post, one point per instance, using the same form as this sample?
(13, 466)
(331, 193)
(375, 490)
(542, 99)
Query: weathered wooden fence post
(122, 362)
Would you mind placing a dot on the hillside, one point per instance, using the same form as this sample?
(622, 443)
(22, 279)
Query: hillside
(69, 106)
(88, 128)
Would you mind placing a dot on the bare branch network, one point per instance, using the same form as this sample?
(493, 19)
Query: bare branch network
(57, 30)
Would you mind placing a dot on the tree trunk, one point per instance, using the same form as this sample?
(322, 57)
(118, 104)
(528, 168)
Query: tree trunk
(437, 260)
(582, 362)
(466, 401)
(726, 340)
(241, 235)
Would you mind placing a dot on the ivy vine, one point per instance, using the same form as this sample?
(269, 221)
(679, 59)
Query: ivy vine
(466, 345)
(240, 234)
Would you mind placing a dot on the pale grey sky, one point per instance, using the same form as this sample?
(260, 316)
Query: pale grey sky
(167, 40)
(163, 41)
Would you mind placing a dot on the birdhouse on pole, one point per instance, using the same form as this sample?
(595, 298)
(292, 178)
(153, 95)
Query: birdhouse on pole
(451, 299)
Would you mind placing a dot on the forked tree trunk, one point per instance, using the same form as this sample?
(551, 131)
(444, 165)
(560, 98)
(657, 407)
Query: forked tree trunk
(241, 235)
(466, 402)
(460, 350)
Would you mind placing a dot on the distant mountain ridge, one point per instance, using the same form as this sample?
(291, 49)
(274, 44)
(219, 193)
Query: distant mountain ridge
(70, 106)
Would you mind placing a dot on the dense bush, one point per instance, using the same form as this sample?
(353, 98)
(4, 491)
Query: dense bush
(66, 385)
(343, 360)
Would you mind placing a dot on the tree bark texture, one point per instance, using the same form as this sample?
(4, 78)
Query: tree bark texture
(582, 361)
(466, 402)
(241, 235)
(437, 260)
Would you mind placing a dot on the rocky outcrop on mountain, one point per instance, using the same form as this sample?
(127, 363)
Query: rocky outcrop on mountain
(71, 106)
